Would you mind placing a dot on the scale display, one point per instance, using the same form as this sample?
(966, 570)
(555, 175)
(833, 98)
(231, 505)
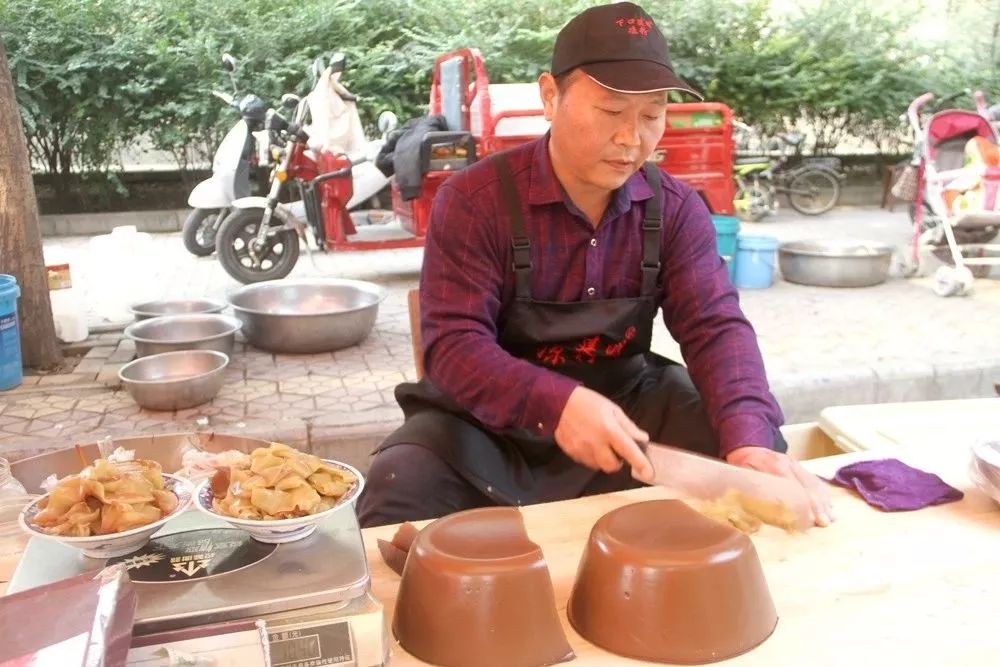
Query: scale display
(313, 646)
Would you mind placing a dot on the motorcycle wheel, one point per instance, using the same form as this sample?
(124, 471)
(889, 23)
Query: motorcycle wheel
(962, 236)
(199, 231)
(814, 191)
(233, 241)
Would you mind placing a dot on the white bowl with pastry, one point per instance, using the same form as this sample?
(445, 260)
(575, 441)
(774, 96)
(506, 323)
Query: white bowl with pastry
(278, 494)
(108, 509)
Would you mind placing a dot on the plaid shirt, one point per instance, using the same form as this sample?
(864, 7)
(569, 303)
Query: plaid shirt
(467, 283)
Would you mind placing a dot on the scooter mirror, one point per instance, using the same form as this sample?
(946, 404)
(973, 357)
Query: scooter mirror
(316, 70)
(228, 63)
(387, 122)
(303, 114)
(338, 62)
(290, 101)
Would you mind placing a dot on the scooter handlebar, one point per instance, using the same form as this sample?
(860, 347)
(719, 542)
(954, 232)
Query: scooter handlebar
(225, 97)
(914, 109)
(980, 102)
(275, 122)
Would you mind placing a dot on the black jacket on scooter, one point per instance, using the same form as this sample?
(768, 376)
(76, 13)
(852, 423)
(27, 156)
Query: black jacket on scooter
(401, 153)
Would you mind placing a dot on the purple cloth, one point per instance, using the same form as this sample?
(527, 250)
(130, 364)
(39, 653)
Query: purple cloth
(893, 486)
(467, 284)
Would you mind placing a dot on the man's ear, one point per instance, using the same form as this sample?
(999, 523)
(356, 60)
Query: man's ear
(550, 94)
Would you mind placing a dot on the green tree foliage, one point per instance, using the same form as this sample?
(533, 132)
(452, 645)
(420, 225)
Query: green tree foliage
(70, 61)
(93, 76)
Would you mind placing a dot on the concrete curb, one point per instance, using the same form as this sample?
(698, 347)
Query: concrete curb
(351, 437)
(172, 220)
(803, 396)
(92, 224)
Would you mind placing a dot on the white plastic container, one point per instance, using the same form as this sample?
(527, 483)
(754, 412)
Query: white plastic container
(117, 266)
(69, 307)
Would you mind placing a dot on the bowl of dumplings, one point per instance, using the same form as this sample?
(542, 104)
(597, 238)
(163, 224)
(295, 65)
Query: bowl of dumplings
(278, 494)
(109, 508)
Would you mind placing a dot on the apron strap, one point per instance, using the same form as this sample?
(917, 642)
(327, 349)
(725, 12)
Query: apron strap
(652, 230)
(652, 227)
(519, 237)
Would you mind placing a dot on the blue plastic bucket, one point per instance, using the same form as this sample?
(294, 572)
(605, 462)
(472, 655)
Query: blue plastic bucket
(755, 261)
(726, 230)
(11, 373)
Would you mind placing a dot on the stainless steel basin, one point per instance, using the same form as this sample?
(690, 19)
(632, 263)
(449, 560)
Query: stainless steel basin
(171, 333)
(175, 380)
(835, 262)
(305, 316)
(150, 309)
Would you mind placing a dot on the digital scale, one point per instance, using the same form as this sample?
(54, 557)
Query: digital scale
(199, 576)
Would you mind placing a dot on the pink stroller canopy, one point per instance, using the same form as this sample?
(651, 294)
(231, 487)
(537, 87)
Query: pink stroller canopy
(958, 125)
(948, 132)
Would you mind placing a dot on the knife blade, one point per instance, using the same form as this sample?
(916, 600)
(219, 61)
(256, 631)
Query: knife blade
(700, 477)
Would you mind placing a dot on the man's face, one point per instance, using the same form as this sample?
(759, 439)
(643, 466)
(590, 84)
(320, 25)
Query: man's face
(600, 137)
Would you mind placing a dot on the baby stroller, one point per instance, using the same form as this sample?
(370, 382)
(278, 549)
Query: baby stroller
(955, 180)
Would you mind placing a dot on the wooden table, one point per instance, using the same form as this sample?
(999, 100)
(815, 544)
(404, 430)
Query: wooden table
(907, 588)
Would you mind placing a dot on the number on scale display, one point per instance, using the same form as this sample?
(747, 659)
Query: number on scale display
(314, 646)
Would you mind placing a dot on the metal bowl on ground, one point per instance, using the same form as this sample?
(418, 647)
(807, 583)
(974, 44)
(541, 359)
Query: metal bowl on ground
(835, 262)
(171, 333)
(306, 316)
(175, 380)
(200, 306)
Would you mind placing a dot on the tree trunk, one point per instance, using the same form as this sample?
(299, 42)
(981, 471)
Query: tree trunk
(21, 235)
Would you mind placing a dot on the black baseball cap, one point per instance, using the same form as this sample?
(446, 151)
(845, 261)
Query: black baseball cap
(620, 47)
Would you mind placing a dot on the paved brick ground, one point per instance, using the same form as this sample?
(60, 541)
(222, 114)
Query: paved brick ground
(896, 341)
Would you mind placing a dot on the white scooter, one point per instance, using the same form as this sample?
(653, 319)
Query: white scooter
(259, 239)
(335, 126)
(244, 146)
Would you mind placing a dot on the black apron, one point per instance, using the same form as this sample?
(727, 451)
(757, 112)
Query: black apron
(603, 344)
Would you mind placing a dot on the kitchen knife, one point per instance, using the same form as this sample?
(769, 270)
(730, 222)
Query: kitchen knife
(702, 478)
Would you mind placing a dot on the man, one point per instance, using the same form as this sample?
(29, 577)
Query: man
(543, 271)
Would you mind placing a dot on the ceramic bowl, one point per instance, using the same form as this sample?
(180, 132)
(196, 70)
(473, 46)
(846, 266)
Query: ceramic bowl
(280, 531)
(660, 582)
(476, 591)
(985, 467)
(115, 544)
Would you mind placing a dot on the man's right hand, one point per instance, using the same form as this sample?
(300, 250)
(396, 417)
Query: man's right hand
(596, 433)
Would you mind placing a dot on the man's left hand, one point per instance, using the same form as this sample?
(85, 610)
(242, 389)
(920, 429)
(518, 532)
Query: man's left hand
(782, 465)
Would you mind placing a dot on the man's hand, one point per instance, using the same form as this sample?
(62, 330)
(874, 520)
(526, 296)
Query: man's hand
(596, 433)
(776, 463)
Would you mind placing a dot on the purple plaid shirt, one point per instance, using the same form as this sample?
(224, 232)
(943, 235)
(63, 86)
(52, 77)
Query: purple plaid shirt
(468, 281)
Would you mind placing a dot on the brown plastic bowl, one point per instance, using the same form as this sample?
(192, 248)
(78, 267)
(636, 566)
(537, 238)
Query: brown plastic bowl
(660, 582)
(476, 591)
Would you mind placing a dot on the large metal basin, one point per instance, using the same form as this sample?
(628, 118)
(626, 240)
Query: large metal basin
(172, 333)
(835, 263)
(305, 316)
(175, 380)
(168, 449)
(150, 309)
